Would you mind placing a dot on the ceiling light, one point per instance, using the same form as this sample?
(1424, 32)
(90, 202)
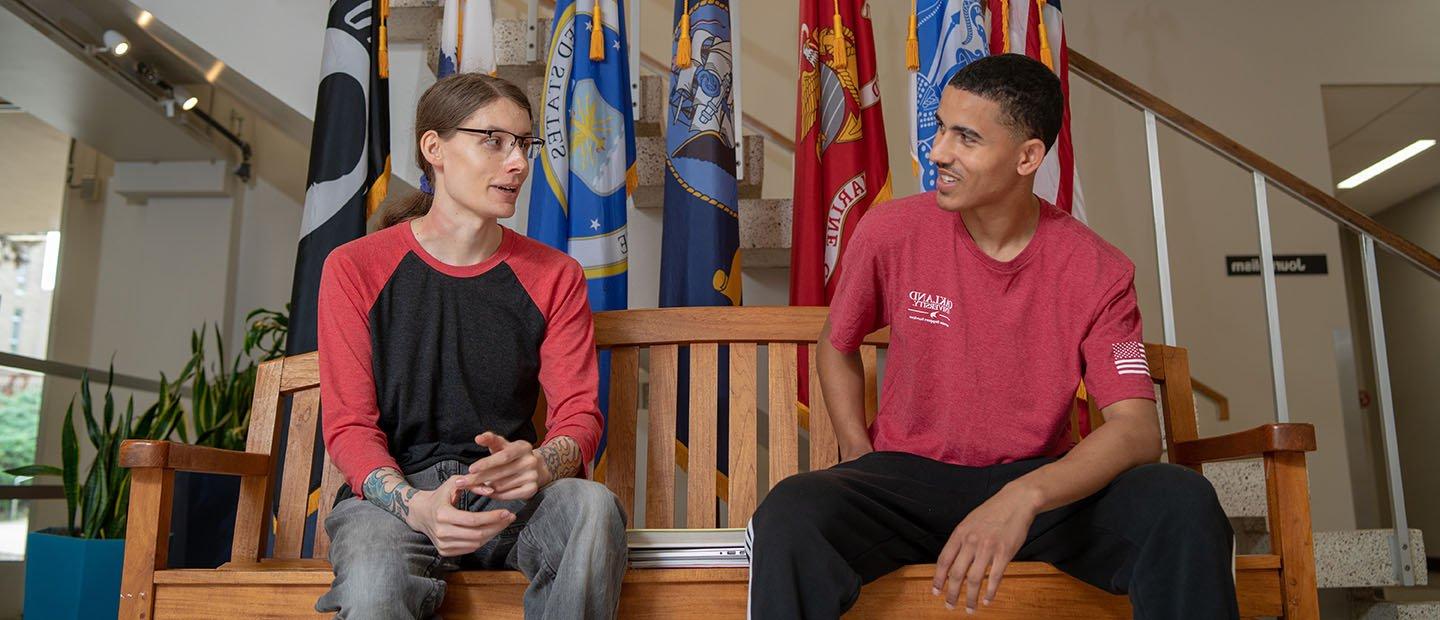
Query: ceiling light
(115, 43)
(1381, 166)
(183, 97)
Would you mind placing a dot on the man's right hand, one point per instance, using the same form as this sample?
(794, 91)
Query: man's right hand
(454, 531)
(847, 455)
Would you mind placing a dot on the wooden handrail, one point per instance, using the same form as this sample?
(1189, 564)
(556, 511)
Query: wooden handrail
(1285, 180)
(1220, 400)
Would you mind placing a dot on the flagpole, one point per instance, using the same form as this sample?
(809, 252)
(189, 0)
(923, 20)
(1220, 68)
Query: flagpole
(737, 121)
(635, 59)
(532, 45)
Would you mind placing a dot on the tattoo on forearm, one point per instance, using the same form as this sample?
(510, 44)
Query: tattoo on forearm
(562, 457)
(387, 489)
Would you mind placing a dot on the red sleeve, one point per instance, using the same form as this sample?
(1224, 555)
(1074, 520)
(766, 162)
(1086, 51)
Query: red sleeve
(1112, 354)
(349, 414)
(858, 307)
(568, 368)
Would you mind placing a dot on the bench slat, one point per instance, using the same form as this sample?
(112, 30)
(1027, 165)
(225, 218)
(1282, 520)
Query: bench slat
(660, 458)
(869, 357)
(330, 481)
(252, 511)
(743, 439)
(295, 485)
(824, 450)
(784, 459)
(700, 478)
(620, 447)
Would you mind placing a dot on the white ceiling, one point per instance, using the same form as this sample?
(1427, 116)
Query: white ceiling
(81, 99)
(1364, 124)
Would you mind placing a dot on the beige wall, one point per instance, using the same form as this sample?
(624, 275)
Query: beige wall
(1410, 301)
(1253, 71)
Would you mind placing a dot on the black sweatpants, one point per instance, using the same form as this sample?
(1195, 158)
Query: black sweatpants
(1157, 533)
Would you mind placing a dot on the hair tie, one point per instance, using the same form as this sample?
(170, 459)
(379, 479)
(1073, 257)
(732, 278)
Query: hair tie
(425, 187)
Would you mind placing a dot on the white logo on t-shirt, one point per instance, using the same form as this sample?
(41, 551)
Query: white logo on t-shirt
(930, 308)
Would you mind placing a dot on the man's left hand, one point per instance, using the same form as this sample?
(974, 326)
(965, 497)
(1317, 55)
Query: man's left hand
(512, 471)
(987, 539)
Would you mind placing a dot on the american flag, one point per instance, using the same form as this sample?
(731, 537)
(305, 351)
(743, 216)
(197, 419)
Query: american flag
(1036, 28)
(1130, 358)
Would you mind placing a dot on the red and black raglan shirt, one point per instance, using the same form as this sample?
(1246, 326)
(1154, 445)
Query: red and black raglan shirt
(417, 357)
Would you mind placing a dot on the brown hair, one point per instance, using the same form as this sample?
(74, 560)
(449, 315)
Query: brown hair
(442, 108)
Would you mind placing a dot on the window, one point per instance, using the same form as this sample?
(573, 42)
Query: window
(22, 268)
(15, 323)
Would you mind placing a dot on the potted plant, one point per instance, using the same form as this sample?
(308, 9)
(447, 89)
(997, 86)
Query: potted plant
(203, 521)
(74, 571)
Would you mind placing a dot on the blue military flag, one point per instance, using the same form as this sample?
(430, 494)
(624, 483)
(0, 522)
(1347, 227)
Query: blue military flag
(584, 177)
(951, 35)
(700, 244)
(700, 247)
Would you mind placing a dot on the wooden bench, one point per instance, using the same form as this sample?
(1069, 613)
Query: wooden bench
(285, 584)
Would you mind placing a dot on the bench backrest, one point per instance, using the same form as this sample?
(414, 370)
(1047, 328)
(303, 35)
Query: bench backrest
(752, 339)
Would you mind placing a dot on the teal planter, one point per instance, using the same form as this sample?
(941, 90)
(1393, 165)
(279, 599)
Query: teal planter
(68, 577)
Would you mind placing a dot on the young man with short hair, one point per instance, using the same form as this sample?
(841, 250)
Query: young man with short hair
(999, 304)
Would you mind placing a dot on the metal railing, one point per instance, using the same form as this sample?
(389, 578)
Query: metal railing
(1266, 174)
(68, 371)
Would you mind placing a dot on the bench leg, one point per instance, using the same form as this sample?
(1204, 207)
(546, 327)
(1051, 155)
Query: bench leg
(1288, 490)
(146, 539)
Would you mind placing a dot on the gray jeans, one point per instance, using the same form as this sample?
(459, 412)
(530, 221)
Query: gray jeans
(568, 540)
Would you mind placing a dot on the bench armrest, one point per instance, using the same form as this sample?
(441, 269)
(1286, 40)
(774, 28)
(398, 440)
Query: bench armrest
(186, 457)
(1253, 443)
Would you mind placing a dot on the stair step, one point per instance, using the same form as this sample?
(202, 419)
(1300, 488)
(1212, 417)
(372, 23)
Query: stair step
(1240, 486)
(1361, 559)
(651, 113)
(1409, 610)
(513, 40)
(650, 168)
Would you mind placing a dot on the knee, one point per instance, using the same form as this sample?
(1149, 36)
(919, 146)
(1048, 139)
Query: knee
(798, 502)
(594, 509)
(375, 580)
(1186, 498)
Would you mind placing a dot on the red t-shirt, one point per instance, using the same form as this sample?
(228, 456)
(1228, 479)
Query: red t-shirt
(985, 356)
(417, 357)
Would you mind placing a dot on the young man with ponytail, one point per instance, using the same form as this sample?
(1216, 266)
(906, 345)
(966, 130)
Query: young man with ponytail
(437, 334)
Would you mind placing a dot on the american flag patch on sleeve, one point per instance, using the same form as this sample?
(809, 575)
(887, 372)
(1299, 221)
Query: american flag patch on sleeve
(1130, 358)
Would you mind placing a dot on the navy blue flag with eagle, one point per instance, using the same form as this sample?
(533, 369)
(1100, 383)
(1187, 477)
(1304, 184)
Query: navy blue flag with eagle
(700, 244)
(349, 173)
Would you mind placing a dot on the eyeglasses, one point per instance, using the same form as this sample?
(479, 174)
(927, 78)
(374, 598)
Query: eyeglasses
(498, 142)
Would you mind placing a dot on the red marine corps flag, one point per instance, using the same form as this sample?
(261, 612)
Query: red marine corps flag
(841, 165)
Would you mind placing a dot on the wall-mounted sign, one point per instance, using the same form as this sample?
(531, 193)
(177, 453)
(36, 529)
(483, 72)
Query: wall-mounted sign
(1285, 265)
